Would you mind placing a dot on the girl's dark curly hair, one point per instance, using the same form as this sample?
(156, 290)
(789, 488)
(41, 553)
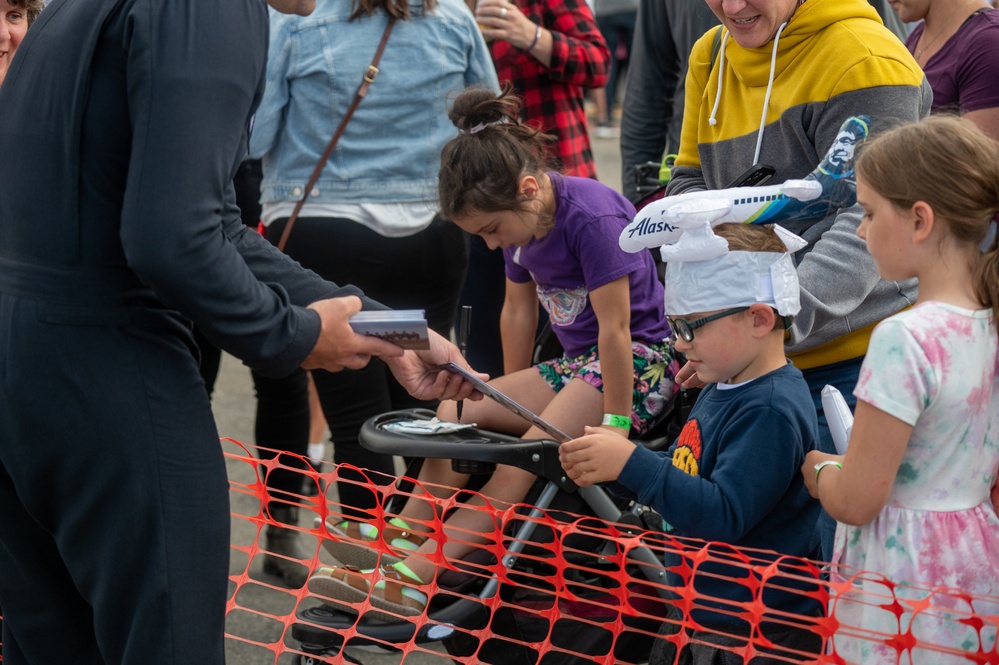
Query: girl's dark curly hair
(481, 168)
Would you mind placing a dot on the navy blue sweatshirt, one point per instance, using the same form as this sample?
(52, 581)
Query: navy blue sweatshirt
(734, 476)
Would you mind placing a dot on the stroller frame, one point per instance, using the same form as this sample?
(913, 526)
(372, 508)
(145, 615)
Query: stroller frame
(318, 629)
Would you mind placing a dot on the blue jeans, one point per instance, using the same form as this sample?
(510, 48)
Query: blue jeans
(842, 376)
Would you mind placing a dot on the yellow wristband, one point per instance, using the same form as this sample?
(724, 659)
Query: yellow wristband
(822, 465)
(624, 422)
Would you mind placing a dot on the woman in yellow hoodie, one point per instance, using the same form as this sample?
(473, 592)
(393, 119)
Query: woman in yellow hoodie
(772, 85)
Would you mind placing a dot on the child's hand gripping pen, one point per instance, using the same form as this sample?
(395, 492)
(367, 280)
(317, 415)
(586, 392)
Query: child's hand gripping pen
(464, 322)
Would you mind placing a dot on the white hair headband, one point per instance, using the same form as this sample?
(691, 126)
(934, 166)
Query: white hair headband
(475, 129)
(702, 274)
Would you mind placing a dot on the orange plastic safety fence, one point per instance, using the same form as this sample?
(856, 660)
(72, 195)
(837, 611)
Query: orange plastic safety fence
(578, 593)
(581, 590)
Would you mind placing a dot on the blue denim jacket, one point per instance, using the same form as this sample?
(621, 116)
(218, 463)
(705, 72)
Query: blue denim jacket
(390, 150)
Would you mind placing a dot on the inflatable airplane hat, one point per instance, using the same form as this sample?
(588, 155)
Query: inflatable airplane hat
(702, 274)
(826, 189)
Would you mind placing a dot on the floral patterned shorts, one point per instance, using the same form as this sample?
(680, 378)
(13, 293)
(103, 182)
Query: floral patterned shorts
(655, 367)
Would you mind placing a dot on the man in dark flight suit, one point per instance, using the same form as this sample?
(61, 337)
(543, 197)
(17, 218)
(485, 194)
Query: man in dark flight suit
(122, 125)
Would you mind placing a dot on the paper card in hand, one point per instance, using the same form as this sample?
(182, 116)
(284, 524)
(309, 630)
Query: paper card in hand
(507, 402)
(404, 327)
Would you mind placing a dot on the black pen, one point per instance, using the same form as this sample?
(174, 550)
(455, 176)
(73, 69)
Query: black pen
(464, 321)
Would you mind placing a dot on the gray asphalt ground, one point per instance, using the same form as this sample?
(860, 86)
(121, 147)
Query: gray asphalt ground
(260, 615)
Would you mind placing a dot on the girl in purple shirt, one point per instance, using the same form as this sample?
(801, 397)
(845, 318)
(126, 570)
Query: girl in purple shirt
(559, 236)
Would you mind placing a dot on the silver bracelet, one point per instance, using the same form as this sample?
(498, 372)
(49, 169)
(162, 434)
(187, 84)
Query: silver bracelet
(537, 36)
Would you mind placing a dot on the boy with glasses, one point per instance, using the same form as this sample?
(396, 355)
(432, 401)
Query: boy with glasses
(732, 476)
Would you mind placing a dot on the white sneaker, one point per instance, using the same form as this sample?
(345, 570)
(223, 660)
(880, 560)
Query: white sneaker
(606, 131)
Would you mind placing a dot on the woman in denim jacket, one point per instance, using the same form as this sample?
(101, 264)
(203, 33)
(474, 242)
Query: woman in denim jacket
(371, 219)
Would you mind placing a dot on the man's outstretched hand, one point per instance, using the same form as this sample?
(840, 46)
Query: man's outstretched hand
(338, 346)
(420, 374)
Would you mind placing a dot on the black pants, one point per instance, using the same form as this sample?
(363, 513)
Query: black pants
(618, 30)
(484, 290)
(421, 271)
(114, 510)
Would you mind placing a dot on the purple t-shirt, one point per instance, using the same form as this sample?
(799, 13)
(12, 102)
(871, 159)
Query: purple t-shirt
(964, 73)
(581, 254)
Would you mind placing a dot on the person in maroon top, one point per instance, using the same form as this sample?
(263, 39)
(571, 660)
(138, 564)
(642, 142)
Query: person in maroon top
(550, 50)
(956, 47)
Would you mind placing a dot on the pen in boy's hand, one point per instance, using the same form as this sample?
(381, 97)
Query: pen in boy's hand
(464, 321)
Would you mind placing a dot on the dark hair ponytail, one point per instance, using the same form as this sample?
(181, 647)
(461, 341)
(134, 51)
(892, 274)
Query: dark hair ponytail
(481, 167)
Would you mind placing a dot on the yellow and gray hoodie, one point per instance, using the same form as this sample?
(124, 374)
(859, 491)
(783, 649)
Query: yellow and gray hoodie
(782, 104)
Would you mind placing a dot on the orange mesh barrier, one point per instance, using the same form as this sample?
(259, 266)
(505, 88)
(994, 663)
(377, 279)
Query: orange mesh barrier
(577, 594)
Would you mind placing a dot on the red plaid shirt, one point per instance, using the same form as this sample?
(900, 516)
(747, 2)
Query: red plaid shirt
(553, 96)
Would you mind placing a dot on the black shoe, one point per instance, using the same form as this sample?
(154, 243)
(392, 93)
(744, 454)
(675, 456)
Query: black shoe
(283, 552)
(309, 486)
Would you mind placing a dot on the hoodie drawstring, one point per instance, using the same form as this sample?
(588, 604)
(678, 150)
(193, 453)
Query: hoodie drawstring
(721, 70)
(712, 120)
(766, 100)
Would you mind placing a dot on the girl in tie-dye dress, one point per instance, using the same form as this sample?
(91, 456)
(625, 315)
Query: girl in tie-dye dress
(916, 578)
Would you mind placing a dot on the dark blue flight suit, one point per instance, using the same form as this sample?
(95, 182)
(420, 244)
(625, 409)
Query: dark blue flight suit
(122, 123)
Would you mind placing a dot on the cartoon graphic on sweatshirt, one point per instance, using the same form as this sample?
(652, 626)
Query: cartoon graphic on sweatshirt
(687, 454)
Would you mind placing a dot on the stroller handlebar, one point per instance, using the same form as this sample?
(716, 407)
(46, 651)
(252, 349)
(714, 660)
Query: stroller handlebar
(538, 456)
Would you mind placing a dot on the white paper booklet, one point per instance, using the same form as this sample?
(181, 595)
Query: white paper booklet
(839, 416)
(403, 327)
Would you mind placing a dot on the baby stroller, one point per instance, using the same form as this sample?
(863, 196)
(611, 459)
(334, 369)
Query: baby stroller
(563, 579)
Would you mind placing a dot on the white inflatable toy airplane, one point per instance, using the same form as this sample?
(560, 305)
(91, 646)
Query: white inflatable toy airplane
(826, 189)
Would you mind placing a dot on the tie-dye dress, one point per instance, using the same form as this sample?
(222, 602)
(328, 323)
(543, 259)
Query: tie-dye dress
(934, 367)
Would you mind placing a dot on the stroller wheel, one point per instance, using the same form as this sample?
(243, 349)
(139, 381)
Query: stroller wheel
(306, 660)
(323, 658)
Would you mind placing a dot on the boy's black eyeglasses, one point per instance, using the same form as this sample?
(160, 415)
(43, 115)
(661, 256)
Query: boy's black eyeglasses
(684, 329)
